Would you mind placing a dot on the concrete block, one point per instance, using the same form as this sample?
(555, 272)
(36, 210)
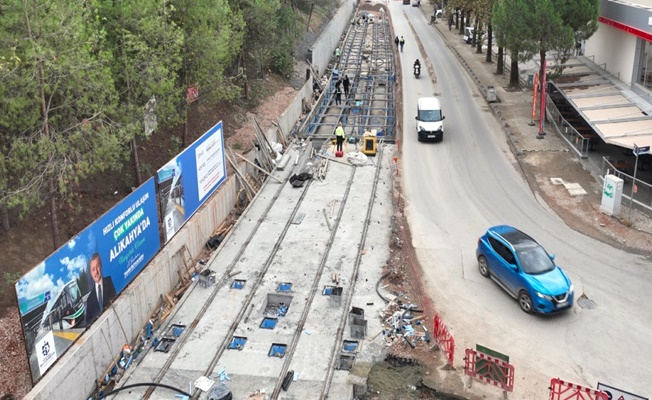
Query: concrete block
(577, 192)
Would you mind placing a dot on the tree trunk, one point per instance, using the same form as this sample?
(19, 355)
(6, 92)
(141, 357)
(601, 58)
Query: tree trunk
(513, 73)
(54, 221)
(4, 217)
(462, 23)
(134, 152)
(457, 18)
(185, 126)
(478, 49)
(500, 67)
(489, 43)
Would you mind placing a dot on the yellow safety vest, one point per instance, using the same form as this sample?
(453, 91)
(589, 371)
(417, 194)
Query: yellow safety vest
(339, 131)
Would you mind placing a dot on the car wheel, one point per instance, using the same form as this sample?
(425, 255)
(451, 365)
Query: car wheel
(483, 266)
(525, 302)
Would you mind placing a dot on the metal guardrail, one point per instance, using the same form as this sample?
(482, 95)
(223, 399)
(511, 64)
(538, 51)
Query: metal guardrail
(578, 143)
(642, 198)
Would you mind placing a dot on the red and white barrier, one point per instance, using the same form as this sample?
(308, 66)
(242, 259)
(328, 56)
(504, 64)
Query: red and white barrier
(495, 371)
(444, 339)
(562, 390)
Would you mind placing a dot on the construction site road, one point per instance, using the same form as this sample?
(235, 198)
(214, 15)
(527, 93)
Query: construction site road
(287, 277)
(456, 189)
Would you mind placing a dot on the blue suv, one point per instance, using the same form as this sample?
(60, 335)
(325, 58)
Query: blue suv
(524, 269)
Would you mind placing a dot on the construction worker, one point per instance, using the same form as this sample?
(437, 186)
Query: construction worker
(339, 136)
(338, 94)
(347, 84)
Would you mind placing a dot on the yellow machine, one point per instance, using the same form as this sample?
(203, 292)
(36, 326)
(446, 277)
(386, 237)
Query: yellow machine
(369, 143)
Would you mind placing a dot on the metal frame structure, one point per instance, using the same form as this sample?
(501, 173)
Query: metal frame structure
(367, 58)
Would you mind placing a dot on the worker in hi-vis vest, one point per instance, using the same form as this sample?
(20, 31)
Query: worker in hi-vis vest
(339, 136)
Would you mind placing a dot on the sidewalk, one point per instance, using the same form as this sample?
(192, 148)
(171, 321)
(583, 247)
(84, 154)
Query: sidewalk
(550, 157)
(513, 109)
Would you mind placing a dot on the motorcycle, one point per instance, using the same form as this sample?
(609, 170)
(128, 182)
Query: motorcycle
(417, 71)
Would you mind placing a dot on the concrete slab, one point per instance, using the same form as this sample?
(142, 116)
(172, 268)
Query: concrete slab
(577, 192)
(268, 249)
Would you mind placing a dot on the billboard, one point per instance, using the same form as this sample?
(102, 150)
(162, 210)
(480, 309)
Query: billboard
(63, 295)
(186, 181)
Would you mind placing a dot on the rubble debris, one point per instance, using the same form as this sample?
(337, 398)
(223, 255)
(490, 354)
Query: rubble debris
(400, 322)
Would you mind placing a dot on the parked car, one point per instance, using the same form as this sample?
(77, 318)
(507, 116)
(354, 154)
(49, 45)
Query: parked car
(416, 3)
(524, 269)
(406, 1)
(468, 34)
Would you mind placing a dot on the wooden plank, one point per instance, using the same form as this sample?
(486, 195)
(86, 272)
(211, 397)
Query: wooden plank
(169, 299)
(260, 169)
(243, 181)
(251, 191)
(260, 131)
(266, 150)
(280, 133)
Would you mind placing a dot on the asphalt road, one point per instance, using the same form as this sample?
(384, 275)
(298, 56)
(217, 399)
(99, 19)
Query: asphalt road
(455, 189)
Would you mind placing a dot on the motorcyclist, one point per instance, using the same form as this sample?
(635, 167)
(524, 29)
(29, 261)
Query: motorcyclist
(417, 67)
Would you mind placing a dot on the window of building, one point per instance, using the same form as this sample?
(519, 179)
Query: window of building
(645, 78)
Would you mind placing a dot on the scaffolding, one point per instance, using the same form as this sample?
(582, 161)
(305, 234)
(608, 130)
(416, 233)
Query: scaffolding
(367, 58)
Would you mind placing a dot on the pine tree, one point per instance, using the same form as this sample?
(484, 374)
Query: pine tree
(58, 129)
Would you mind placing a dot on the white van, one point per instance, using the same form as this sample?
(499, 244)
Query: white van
(430, 120)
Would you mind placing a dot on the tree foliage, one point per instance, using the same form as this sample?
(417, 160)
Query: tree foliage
(529, 27)
(146, 48)
(272, 28)
(75, 76)
(213, 37)
(62, 96)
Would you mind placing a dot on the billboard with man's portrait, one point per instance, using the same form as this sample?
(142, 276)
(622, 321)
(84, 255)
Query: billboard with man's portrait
(64, 294)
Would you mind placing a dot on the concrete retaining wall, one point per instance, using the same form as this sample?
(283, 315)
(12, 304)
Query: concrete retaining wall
(75, 374)
(291, 115)
(324, 47)
(294, 111)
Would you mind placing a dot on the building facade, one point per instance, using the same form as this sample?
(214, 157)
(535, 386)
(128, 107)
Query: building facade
(622, 44)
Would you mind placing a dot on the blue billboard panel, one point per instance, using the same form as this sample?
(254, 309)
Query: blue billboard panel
(64, 294)
(190, 178)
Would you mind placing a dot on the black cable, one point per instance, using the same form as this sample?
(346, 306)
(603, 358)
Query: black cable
(386, 300)
(143, 384)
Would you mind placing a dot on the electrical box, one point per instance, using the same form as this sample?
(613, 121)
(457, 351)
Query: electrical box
(612, 194)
